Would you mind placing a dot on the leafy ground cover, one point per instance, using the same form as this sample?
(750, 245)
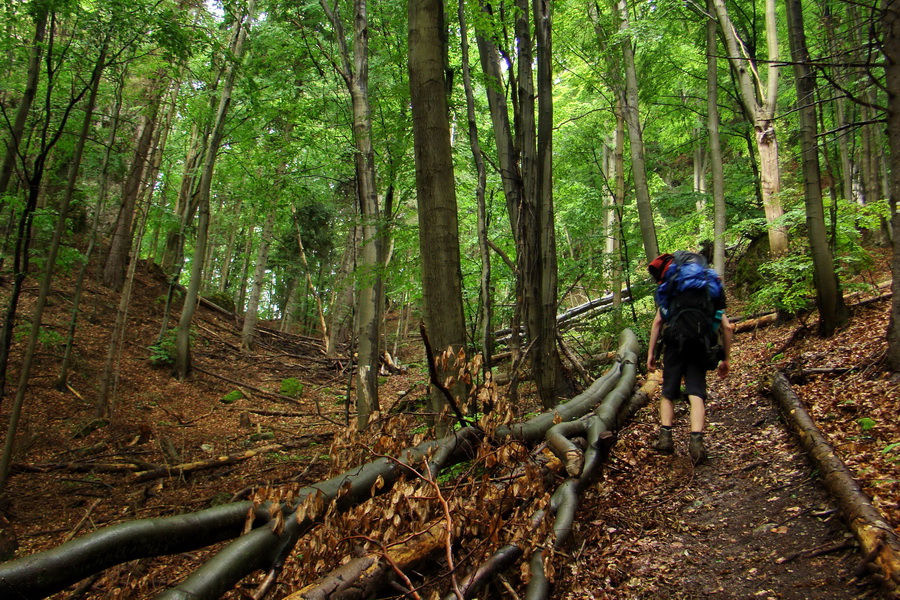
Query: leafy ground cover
(752, 523)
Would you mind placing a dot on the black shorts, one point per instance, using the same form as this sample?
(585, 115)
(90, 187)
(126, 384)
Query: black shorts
(687, 365)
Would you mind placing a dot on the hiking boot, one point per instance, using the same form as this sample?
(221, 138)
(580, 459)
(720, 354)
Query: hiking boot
(664, 444)
(696, 449)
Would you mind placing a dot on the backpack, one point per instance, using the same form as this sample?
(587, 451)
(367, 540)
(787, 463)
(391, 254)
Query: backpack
(690, 296)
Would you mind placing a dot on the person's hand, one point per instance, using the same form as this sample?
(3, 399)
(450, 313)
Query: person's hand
(724, 368)
(651, 362)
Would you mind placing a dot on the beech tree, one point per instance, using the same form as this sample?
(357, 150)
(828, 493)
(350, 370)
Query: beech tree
(759, 99)
(242, 24)
(436, 196)
(829, 299)
(890, 23)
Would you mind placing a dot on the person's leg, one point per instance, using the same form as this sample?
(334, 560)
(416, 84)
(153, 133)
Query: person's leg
(695, 384)
(664, 443)
(667, 412)
(698, 413)
(673, 371)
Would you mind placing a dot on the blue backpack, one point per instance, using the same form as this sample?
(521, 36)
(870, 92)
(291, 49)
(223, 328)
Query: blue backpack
(690, 298)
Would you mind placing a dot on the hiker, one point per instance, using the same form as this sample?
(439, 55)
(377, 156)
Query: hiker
(696, 337)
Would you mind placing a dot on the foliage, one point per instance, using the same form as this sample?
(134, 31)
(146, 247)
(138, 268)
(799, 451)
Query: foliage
(164, 351)
(232, 396)
(789, 283)
(292, 387)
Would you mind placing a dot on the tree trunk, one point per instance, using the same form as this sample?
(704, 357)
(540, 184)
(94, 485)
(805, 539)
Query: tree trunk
(829, 299)
(320, 310)
(619, 201)
(633, 120)
(891, 28)
(342, 297)
(259, 273)
(229, 250)
(120, 243)
(552, 385)
(370, 292)
(95, 226)
(507, 154)
(485, 315)
(103, 406)
(759, 101)
(436, 196)
(31, 85)
(183, 358)
(875, 536)
(53, 251)
(715, 144)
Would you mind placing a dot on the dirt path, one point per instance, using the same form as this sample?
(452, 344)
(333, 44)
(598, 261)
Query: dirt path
(754, 522)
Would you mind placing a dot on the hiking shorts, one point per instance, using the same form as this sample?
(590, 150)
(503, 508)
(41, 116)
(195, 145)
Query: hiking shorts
(685, 365)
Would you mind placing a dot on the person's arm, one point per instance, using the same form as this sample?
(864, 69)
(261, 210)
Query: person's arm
(727, 333)
(654, 337)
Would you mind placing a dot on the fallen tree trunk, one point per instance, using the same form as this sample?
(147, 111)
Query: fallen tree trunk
(268, 533)
(876, 537)
(361, 577)
(214, 463)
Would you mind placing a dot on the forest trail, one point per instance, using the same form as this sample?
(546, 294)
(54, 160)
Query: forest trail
(753, 522)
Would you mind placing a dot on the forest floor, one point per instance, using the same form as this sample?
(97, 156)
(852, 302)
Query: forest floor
(754, 522)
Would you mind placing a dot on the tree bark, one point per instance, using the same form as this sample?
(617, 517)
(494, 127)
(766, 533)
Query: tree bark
(891, 49)
(874, 534)
(262, 260)
(829, 300)
(633, 120)
(715, 144)
(759, 100)
(485, 315)
(370, 291)
(183, 343)
(120, 243)
(28, 95)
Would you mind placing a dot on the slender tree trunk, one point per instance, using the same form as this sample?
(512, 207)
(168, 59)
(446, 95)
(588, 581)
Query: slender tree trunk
(633, 121)
(245, 273)
(259, 273)
(342, 296)
(183, 359)
(552, 384)
(320, 310)
(715, 143)
(485, 316)
(229, 250)
(370, 292)
(103, 407)
(53, 251)
(31, 86)
(507, 159)
(63, 378)
(120, 243)
(830, 301)
(619, 200)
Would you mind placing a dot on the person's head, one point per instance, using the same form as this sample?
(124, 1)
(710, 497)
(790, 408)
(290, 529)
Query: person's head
(658, 266)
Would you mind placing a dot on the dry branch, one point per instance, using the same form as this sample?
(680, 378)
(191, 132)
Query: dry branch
(361, 577)
(260, 540)
(191, 467)
(875, 535)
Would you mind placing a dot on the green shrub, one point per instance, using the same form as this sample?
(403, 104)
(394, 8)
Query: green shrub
(164, 351)
(292, 387)
(223, 300)
(232, 397)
